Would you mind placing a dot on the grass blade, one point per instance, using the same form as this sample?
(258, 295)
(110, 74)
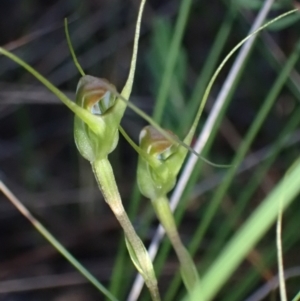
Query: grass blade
(54, 242)
(253, 229)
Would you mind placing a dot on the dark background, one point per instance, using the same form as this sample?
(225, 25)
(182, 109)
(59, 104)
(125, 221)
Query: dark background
(38, 158)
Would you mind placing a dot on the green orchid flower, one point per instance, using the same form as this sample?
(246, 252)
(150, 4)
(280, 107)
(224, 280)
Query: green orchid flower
(155, 181)
(92, 95)
(100, 99)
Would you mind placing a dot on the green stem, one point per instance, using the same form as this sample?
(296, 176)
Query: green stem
(187, 267)
(138, 253)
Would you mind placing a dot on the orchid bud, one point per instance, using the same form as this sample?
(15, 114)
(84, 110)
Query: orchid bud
(155, 181)
(93, 94)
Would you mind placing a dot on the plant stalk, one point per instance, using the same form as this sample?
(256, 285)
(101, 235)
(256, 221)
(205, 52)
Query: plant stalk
(138, 253)
(187, 267)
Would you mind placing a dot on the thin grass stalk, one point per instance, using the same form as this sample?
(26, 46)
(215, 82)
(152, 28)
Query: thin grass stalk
(249, 234)
(253, 278)
(293, 82)
(54, 242)
(250, 37)
(173, 287)
(208, 68)
(282, 287)
(256, 125)
(252, 185)
(203, 137)
(220, 239)
(275, 57)
(171, 61)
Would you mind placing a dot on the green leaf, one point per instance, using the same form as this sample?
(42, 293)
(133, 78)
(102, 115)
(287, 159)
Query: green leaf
(134, 257)
(249, 234)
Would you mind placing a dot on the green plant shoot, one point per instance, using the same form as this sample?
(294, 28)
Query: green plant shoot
(155, 182)
(158, 165)
(98, 97)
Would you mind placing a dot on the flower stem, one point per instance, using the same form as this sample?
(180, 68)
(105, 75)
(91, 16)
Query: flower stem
(187, 267)
(138, 253)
